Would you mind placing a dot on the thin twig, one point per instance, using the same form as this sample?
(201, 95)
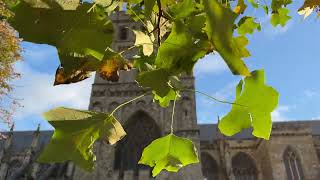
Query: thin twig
(134, 46)
(172, 116)
(159, 19)
(127, 102)
(216, 99)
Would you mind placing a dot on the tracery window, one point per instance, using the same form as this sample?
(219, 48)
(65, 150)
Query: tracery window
(243, 167)
(141, 131)
(292, 164)
(209, 167)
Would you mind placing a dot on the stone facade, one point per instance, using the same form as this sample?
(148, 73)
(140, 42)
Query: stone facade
(292, 153)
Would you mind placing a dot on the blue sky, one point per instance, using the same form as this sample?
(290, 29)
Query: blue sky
(289, 55)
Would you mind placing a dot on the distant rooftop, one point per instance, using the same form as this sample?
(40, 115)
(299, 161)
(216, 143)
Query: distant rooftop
(208, 132)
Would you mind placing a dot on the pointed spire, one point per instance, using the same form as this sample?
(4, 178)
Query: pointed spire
(35, 137)
(38, 128)
(12, 128)
(9, 138)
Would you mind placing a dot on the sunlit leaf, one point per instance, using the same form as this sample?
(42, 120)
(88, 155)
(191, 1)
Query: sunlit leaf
(75, 133)
(181, 40)
(241, 7)
(111, 64)
(308, 7)
(254, 3)
(145, 41)
(165, 101)
(222, 37)
(169, 153)
(280, 18)
(252, 107)
(247, 25)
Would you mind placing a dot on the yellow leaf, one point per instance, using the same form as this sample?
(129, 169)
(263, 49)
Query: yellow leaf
(307, 8)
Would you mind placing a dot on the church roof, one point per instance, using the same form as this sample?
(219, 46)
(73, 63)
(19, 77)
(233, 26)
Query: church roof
(210, 132)
(22, 140)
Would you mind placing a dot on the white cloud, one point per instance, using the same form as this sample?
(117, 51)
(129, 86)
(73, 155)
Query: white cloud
(279, 114)
(311, 93)
(210, 64)
(38, 93)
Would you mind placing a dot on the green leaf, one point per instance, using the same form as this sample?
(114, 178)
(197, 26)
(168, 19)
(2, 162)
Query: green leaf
(157, 80)
(247, 25)
(75, 133)
(182, 9)
(253, 3)
(72, 32)
(265, 9)
(252, 107)
(278, 4)
(180, 51)
(220, 23)
(170, 153)
(281, 17)
(148, 4)
(165, 101)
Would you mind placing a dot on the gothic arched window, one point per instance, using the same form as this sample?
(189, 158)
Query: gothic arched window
(243, 167)
(292, 164)
(209, 167)
(141, 131)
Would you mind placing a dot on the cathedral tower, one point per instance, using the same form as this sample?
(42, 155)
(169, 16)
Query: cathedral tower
(143, 120)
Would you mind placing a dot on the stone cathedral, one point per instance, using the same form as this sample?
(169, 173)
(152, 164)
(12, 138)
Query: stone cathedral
(292, 153)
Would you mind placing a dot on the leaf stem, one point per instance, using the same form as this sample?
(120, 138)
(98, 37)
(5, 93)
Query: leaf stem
(172, 116)
(127, 102)
(134, 46)
(216, 99)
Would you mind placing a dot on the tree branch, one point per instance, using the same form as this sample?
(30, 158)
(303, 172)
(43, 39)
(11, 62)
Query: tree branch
(159, 19)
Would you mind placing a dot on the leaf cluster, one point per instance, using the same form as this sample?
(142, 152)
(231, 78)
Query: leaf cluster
(176, 34)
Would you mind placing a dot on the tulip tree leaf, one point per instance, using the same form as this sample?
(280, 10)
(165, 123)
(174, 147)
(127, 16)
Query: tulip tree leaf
(170, 153)
(308, 7)
(253, 3)
(252, 107)
(149, 4)
(160, 86)
(278, 4)
(165, 101)
(280, 18)
(222, 37)
(70, 31)
(247, 25)
(181, 40)
(145, 41)
(187, 6)
(75, 133)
